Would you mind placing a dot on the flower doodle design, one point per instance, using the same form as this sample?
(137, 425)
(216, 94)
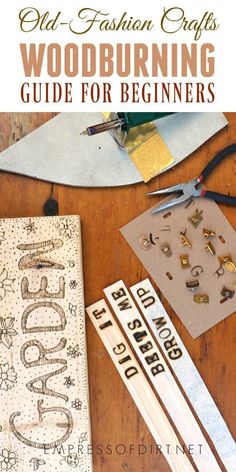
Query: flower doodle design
(7, 459)
(8, 377)
(76, 404)
(30, 227)
(73, 351)
(73, 284)
(69, 382)
(66, 228)
(7, 331)
(5, 284)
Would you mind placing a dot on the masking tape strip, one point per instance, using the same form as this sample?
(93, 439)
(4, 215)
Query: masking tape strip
(160, 374)
(152, 156)
(137, 385)
(186, 371)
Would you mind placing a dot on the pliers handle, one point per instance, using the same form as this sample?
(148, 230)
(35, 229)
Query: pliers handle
(188, 190)
(218, 197)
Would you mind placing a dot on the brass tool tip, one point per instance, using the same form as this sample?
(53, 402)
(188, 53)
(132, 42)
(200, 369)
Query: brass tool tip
(84, 133)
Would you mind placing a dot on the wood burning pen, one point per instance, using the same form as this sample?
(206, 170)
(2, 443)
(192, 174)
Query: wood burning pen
(123, 122)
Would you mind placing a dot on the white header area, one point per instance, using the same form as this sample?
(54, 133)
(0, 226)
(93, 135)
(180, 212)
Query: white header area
(100, 55)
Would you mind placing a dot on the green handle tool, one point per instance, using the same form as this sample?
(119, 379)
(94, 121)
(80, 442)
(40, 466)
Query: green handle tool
(124, 122)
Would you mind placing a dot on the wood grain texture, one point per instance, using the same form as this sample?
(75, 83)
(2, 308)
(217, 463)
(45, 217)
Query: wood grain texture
(159, 374)
(134, 378)
(31, 338)
(107, 258)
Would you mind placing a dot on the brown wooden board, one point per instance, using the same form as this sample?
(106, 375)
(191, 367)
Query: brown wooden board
(107, 257)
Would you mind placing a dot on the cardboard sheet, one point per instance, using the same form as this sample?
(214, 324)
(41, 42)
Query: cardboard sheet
(164, 229)
(44, 415)
(63, 156)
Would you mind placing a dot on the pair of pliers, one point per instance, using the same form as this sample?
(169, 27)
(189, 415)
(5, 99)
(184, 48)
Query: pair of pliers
(190, 189)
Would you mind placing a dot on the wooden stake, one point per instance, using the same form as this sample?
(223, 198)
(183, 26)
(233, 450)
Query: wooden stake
(137, 385)
(186, 371)
(160, 375)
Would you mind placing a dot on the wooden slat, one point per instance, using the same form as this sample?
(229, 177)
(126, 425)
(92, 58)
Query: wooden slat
(186, 372)
(137, 385)
(160, 375)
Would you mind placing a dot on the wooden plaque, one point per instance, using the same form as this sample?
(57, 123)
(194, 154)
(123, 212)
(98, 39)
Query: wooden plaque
(44, 418)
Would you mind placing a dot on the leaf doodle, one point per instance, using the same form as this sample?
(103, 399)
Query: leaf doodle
(72, 309)
(35, 462)
(5, 284)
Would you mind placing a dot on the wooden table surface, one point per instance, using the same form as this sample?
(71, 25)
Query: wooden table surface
(107, 258)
